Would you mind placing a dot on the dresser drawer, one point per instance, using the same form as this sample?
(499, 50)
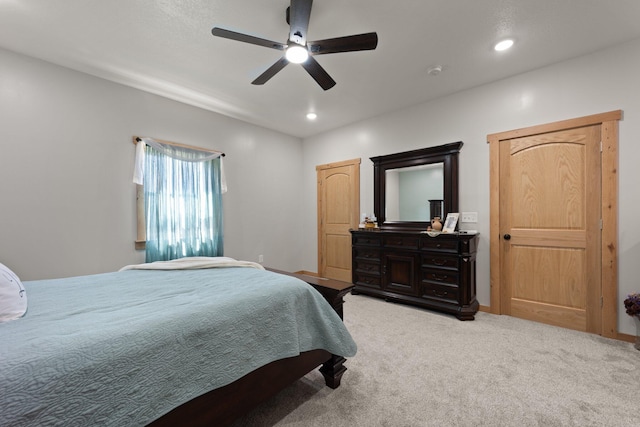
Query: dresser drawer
(437, 244)
(367, 280)
(439, 276)
(440, 260)
(401, 242)
(366, 238)
(366, 254)
(440, 291)
(366, 267)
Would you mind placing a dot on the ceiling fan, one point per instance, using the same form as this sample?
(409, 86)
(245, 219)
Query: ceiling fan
(298, 50)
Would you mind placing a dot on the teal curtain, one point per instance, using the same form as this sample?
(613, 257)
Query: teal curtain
(183, 204)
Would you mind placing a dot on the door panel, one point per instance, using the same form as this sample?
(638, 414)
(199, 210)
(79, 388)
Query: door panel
(550, 208)
(338, 257)
(553, 291)
(548, 184)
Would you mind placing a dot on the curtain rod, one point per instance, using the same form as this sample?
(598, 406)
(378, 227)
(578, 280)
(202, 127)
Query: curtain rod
(137, 139)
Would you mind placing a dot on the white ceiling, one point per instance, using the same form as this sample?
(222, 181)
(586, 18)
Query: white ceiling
(166, 47)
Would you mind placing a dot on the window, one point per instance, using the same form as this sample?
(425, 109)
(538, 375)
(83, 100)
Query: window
(180, 200)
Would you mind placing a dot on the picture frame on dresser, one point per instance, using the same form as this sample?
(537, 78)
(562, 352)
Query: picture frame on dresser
(451, 222)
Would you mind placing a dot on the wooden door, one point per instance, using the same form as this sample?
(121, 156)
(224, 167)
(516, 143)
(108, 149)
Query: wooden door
(338, 212)
(550, 217)
(548, 209)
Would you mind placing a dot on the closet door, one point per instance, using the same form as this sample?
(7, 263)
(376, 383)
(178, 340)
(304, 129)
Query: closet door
(550, 216)
(553, 228)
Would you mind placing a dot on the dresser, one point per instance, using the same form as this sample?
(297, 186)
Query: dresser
(412, 267)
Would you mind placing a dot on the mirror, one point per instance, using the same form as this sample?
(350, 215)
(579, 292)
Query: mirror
(411, 191)
(412, 187)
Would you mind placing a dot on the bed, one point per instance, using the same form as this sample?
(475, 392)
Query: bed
(184, 344)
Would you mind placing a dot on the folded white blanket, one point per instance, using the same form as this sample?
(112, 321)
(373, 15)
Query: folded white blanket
(193, 263)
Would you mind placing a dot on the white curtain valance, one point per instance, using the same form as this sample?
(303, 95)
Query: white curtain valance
(175, 152)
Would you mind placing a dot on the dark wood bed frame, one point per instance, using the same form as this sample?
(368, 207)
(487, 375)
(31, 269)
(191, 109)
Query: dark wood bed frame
(220, 407)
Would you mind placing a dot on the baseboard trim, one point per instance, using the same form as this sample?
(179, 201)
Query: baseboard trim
(618, 336)
(625, 337)
(307, 273)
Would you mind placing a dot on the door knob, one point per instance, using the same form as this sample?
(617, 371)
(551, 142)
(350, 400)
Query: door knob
(507, 237)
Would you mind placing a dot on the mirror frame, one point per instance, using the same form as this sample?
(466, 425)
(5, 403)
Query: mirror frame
(446, 154)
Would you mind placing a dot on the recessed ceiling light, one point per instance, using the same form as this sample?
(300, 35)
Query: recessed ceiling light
(503, 45)
(312, 116)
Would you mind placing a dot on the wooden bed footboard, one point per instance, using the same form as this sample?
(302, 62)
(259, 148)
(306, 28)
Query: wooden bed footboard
(220, 407)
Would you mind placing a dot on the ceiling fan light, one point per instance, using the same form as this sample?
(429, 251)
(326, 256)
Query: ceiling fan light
(296, 54)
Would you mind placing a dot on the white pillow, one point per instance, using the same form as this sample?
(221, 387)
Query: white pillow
(13, 297)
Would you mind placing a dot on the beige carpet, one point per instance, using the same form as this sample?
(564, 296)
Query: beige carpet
(418, 368)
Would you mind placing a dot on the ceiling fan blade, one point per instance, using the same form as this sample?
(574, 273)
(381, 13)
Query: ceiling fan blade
(228, 34)
(270, 72)
(299, 14)
(367, 41)
(318, 73)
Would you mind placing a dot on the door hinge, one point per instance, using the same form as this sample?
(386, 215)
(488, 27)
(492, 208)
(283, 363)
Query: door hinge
(601, 146)
(600, 223)
(601, 302)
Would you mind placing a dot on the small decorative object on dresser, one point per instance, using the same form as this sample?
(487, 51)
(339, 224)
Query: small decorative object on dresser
(370, 223)
(412, 267)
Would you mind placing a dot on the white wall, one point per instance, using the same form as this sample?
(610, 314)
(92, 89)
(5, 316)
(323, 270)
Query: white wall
(67, 202)
(605, 81)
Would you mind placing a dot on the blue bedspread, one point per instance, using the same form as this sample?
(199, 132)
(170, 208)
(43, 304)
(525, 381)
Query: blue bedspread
(122, 349)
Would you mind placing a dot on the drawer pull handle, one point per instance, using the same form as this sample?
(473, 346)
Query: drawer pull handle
(438, 277)
(438, 245)
(441, 294)
(438, 261)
